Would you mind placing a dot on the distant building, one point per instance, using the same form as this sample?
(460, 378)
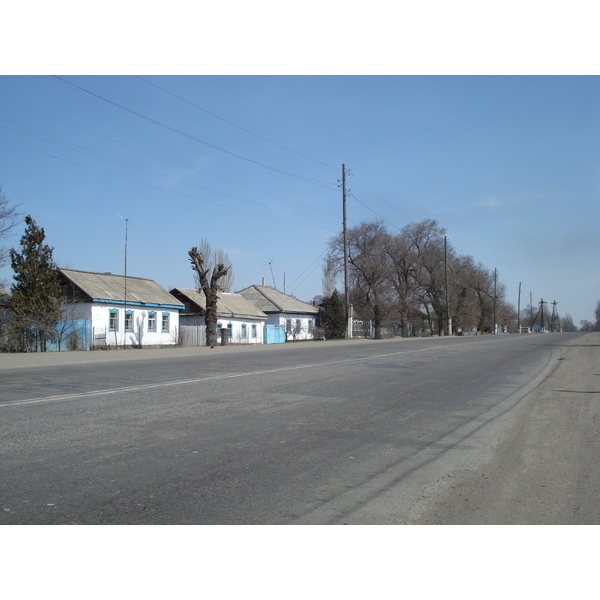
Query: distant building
(243, 320)
(295, 318)
(102, 309)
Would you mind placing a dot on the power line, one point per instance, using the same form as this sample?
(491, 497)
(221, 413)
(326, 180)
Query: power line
(375, 213)
(233, 124)
(309, 266)
(380, 197)
(315, 263)
(160, 156)
(102, 156)
(170, 191)
(192, 137)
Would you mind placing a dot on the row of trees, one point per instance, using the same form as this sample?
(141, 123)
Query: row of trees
(416, 279)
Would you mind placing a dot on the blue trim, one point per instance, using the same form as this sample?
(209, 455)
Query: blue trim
(153, 329)
(128, 313)
(142, 304)
(113, 311)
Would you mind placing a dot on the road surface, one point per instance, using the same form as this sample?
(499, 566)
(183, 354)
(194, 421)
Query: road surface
(356, 432)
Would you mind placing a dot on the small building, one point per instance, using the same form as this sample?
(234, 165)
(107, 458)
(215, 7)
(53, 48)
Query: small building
(296, 319)
(106, 310)
(243, 320)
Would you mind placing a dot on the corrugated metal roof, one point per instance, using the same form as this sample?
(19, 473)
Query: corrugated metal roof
(109, 287)
(228, 305)
(270, 300)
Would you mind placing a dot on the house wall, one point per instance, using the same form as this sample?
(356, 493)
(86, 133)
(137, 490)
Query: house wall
(295, 331)
(237, 336)
(194, 330)
(140, 336)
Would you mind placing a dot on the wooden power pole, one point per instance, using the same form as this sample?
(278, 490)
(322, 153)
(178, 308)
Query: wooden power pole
(345, 232)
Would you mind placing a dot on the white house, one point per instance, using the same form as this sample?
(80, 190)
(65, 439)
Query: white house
(296, 318)
(242, 318)
(118, 311)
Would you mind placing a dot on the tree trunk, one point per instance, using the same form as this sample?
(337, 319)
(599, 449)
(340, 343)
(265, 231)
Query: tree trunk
(211, 292)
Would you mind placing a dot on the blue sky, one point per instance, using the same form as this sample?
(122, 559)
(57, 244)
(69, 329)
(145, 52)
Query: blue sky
(509, 165)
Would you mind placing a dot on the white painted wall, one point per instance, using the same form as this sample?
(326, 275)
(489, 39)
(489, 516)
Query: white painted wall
(99, 315)
(236, 330)
(304, 332)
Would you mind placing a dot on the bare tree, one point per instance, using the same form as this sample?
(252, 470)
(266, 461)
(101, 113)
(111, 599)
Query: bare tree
(369, 267)
(209, 275)
(9, 217)
(567, 323)
(330, 275)
(212, 258)
(426, 239)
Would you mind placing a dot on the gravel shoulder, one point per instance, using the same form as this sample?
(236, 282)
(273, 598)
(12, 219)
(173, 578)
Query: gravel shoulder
(546, 469)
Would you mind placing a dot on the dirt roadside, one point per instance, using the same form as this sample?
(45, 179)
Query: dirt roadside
(547, 468)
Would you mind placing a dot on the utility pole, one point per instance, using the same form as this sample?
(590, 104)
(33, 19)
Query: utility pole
(542, 311)
(125, 296)
(446, 284)
(531, 310)
(555, 318)
(346, 292)
(519, 310)
(495, 277)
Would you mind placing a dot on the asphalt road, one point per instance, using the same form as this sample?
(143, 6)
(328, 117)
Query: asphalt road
(319, 432)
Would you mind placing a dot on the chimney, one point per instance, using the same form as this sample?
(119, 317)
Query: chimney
(263, 281)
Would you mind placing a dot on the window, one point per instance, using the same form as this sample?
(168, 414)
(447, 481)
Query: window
(113, 320)
(165, 322)
(254, 332)
(298, 325)
(128, 320)
(288, 326)
(230, 330)
(244, 331)
(310, 326)
(152, 321)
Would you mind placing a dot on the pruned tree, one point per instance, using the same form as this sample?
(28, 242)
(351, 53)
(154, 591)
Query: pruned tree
(210, 277)
(212, 258)
(36, 293)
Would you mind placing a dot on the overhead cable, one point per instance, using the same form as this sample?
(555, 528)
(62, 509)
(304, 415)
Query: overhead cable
(234, 124)
(191, 137)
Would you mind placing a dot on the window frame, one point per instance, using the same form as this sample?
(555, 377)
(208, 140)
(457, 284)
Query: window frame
(128, 317)
(166, 317)
(151, 320)
(113, 319)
